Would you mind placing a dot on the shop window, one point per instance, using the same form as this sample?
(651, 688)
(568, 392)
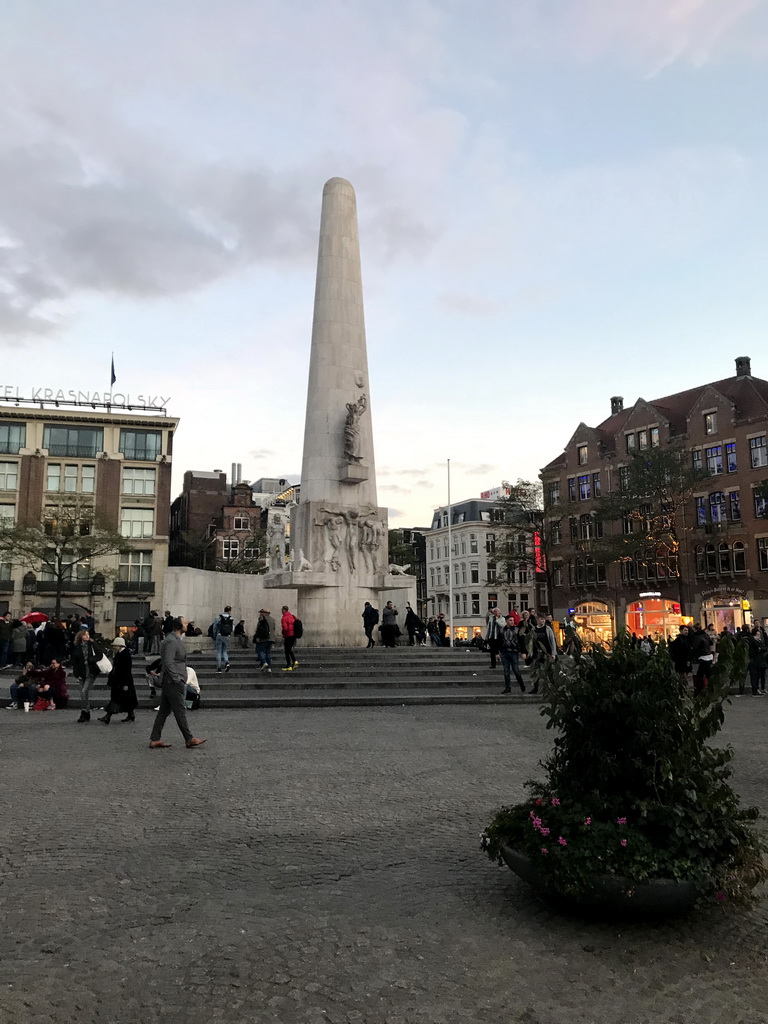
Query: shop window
(698, 461)
(655, 437)
(739, 557)
(571, 488)
(733, 500)
(596, 485)
(710, 559)
(730, 457)
(699, 556)
(583, 454)
(714, 460)
(758, 452)
(642, 440)
(475, 604)
(710, 422)
(762, 553)
(724, 558)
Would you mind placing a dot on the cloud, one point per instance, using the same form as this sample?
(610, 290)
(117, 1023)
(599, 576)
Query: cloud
(259, 454)
(395, 489)
(425, 483)
(482, 470)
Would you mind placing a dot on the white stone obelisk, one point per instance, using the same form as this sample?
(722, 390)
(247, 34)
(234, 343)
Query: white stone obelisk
(339, 537)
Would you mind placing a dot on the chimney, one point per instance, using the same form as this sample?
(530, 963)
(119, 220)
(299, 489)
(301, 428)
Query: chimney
(617, 404)
(743, 366)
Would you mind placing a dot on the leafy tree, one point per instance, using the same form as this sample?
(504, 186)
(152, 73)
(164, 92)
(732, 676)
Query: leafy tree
(62, 544)
(653, 508)
(400, 553)
(530, 531)
(203, 551)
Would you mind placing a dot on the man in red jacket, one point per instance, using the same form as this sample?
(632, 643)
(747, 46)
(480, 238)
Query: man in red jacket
(286, 625)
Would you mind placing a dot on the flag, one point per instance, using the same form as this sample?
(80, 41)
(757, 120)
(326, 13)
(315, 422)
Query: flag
(113, 378)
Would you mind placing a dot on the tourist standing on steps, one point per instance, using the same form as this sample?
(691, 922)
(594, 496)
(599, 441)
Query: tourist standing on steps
(442, 628)
(544, 646)
(510, 655)
(222, 630)
(264, 638)
(389, 625)
(414, 627)
(370, 618)
(122, 692)
(173, 657)
(289, 639)
(493, 634)
(85, 658)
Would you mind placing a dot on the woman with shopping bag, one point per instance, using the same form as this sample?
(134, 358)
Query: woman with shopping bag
(88, 662)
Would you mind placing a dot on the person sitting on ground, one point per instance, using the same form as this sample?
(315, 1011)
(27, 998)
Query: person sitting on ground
(56, 678)
(239, 631)
(23, 690)
(193, 630)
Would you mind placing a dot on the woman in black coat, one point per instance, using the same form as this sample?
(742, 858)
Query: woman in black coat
(122, 692)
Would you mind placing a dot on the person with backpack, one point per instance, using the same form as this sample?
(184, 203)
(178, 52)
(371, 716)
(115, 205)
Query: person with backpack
(222, 630)
(264, 638)
(291, 633)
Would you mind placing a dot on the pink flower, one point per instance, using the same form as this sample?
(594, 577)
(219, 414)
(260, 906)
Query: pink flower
(536, 822)
(555, 802)
(623, 842)
(587, 821)
(532, 814)
(544, 831)
(544, 849)
(621, 821)
(562, 841)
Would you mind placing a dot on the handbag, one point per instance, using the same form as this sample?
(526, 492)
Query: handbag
(104, 665)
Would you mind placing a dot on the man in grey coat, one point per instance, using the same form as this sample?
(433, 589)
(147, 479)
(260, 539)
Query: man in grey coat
(173, 655)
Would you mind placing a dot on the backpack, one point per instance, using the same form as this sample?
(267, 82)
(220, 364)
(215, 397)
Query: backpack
(210, 631)
(225, 625)
(262, 630)
(298, 629)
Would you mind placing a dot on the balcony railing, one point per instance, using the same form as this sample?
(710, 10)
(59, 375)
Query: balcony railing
(130, 587)
(6, 586)
(68, 587)
(74, 451)
(10, 447)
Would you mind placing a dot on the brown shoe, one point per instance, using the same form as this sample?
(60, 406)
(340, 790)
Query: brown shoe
(157, 744)
(195, 742)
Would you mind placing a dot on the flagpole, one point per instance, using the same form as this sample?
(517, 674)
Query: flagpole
(450, 557)
(112, 377)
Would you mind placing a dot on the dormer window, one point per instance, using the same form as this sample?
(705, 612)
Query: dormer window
(583, 454)
(710, 422)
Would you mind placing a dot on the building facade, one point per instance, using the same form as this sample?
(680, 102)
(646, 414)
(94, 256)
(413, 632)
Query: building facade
(113, 460)
(474, 567)
(721, 571)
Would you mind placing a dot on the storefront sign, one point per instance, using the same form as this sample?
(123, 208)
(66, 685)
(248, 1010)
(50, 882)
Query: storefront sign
(723, 591)
(10, 393)
(651, 593)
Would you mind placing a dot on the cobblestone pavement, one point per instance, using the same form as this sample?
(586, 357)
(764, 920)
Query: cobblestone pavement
(321, 866)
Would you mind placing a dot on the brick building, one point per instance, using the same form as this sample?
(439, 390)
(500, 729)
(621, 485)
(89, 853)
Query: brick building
(723, 558)
(215, 525)
(120, 457)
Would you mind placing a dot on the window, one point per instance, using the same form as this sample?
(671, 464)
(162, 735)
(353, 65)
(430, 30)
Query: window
(724, 558)
(555, 533)
(762, 553)
(627, 524)
(523, 602)
(554, 493)
(492, 601)
(9, 476)
(241, 523)
(80, 572)
(585, 487)
(623, 478)
(439, 575)
(522, 576)
(7, 515)
(642, 440)
(571, 488)
(698, 552)
(730, 456)
(583, 454)
(142, 445)
(447, 572)
(491, 572)
(463, 604)
(456, 573)
(139, 481)
(474, 572)
(557, 575)
(463, 572)
(733, 501)
(739, 557)
(13, 437)
(72, 479)
(431, 551)
(473, 543)
(485, 515)
(445, 548)
(432, 578)
(710, 422)
(715, 460)
(463, 544)
(490, 543)
(586, 527)
(231, 549)
(137, 522)
(135, 567)
(573, 525)
(717, 512)
(73, 441)
(758, 452)
(701, 510)
(654, 437)
(630, 442)
(760, 506)
(710, 560)
(475, 604)
(698, 462)
(596, 485)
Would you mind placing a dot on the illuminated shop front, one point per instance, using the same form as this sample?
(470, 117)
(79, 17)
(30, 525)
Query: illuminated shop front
(654, 616)
(594, 621)
(726, 608)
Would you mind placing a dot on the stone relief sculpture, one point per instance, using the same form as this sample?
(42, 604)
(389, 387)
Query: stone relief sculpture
(349, 536)
(366, 545)
(333, 527)
(304, 563)
(352, 429)
(276, 543)
(399, 570)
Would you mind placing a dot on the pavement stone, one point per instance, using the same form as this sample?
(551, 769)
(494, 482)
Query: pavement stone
(321, 866)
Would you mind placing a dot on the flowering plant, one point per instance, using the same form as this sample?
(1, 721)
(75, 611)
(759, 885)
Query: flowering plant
(634, 788)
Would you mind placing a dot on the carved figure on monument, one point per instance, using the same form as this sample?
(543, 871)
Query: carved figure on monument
(334, 527)
(304, 563)
(352, 519)
(399, 570)
(379, 544)
(276, 543)
(352, 429)
(367, 540)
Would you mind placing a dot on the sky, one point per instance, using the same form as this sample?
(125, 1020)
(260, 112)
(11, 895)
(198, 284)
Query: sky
(559, 201)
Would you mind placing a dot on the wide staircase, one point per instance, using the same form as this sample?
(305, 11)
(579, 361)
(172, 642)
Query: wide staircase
(329, 676)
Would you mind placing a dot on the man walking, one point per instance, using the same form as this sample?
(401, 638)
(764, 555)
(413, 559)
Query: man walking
(173, 659)
(264, 637)
(370, 618)
(289, 639)
(222, 630)
(510, 655)
(493, 634)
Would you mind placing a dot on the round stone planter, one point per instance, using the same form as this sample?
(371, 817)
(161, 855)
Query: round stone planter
(612, 896)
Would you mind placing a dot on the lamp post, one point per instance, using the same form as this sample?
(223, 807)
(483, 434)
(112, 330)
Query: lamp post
(450, 558)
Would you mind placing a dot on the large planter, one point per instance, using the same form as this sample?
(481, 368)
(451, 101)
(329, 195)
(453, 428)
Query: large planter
(612, 896)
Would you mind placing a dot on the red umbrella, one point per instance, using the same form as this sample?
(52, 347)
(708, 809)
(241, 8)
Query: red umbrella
(32, 618)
